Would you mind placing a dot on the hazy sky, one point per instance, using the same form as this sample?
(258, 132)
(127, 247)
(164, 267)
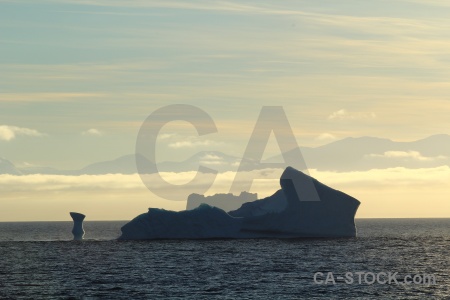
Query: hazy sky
(78, 77)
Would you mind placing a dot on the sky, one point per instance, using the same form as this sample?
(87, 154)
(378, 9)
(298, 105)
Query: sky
(79, 77)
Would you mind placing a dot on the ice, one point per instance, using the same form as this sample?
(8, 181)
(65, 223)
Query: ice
(303, 207)
(77, 231)
(226, 202)
(202, 222)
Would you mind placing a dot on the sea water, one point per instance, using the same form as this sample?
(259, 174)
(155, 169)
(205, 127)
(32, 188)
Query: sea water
(40, 261)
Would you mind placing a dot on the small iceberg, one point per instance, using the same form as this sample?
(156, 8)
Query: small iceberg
(291, 212)
(77, 230)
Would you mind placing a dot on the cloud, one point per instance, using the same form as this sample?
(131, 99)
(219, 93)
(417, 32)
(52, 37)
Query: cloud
(326, 137)
(165, 136)
(213, 162)
(39, 182)
(109, 182)
(412, 155)
(396, 192)
(343, 114)
(191, 143)
(392, 177)
(92, 132)
(177, 141)
(8, 133)
(402, 190)
(211, 159)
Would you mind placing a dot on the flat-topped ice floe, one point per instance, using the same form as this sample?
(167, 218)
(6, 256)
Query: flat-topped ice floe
(303, 207)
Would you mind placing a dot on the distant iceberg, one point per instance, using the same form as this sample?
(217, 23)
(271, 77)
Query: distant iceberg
(226, 202)
(288, 213)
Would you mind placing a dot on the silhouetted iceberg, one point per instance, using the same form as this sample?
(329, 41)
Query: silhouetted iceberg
(287, 213)
(77, 230)
(284, 213)
(226, 202)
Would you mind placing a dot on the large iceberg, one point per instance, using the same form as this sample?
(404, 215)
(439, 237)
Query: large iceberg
(291, 212)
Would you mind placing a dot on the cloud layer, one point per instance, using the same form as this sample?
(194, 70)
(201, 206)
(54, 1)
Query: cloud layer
(412, 155)
(109, 182)
(396, 192)
(343, 114)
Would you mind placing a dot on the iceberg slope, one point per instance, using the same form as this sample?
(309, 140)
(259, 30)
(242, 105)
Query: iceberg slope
(202, 222)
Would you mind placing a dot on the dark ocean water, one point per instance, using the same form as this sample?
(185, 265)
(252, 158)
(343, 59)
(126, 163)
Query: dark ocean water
(39, 261)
